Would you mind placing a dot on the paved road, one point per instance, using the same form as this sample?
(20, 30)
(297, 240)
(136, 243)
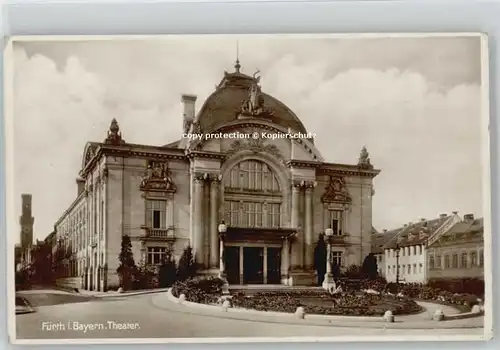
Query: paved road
(149, 316)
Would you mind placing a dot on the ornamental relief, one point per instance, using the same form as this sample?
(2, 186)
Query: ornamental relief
(336, 191)
(254, 140)
(157, 177)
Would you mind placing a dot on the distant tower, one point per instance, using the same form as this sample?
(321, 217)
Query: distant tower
(26, 221)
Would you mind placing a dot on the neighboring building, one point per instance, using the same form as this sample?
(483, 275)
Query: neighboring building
(275, 195)
(458, 253)
(378, 242)
(405, 253)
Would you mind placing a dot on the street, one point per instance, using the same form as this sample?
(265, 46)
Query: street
(151, 316)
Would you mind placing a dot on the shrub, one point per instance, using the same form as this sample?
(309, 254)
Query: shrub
(199, 290)
(127, 268)
(187, 265)
(167, 273)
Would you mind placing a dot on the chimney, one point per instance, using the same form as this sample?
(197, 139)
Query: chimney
(468, 217)
(423, 219)
(454, 212)
(189, 111)
(442, 216)
(80, 185)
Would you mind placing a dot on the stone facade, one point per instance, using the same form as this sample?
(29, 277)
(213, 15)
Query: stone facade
(275, 196)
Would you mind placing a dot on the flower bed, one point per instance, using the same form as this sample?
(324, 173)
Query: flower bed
(199, 290)
(418, 291)
(322, 303)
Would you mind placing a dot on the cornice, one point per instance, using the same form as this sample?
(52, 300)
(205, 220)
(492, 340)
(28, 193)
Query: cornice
(204, 154)
(133, 151)
(346, 170)
(303, 164)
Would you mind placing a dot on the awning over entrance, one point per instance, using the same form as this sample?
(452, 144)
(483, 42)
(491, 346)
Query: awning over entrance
(254, 234)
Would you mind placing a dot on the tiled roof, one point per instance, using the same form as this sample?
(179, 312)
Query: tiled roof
(380, 239)
(415, 233)
(463, 229)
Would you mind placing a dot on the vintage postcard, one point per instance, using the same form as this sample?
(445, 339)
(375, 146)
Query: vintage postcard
(248, 188)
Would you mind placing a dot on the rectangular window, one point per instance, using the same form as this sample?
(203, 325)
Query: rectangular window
(336, 222)
(473, 259)
(446, 261)
(455, 261)
(481, 258)
(155, 255)
(156, 214)
(463, 260)
(409, 269)
(420, 267)
(438, 261)
(414, 269)
(337, 258)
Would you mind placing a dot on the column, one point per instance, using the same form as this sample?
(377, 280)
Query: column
(222, 265)
(241, 266)
(285, 260)
(265, 265)
(298, 251)
(309, 249)
(198, 220)
(214, 235)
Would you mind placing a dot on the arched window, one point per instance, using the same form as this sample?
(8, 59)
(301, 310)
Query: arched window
(252, 196)
(252, 175)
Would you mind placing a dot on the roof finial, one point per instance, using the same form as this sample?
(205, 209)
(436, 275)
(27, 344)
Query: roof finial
(237, 66)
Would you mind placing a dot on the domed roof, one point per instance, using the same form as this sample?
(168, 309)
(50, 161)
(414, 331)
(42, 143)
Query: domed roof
(239, 96)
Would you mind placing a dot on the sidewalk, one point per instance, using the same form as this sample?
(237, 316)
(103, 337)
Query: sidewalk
(115, 294)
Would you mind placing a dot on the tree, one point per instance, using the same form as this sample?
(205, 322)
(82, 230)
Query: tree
(187, 266)
(127, 268)
(167, 273)
(370, 267)
(320, 256)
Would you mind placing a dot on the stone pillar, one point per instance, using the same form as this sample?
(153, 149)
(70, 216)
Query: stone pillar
(214, 222)
(298, 249)
(285, 261)
(308, 229)
(222, 265)
(265, 265)
(328, 282)
(241, 273)
(198, 220)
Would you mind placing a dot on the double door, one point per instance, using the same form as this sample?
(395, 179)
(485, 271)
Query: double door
(253, 265)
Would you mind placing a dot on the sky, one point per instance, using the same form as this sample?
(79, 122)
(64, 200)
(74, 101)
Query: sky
(415, 103)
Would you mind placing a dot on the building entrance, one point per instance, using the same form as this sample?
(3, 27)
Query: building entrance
(252, 264)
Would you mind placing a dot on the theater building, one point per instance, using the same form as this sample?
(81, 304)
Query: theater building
(274, 194)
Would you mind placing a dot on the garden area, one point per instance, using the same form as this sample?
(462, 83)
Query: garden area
(357, 297)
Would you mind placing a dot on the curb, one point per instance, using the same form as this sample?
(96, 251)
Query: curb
(121, 295)
(311, 320)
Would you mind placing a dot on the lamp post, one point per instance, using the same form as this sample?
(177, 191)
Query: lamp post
(328, 282)
(222, 268)
(397, 263)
